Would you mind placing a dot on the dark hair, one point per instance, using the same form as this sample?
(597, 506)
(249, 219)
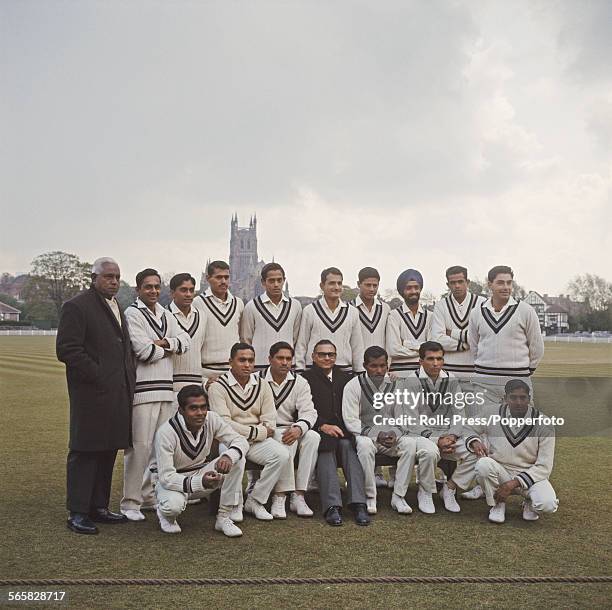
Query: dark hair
(516, 384)
(323, 342)
(429, 346)
(240, 346)
(271, 267)
(210, 268)
(140, 276)
(190, 391)
(373, 352)
(493, 273)
(456, 269)
(330, 271)
(278, 346)
(179, 278)
(368, 272)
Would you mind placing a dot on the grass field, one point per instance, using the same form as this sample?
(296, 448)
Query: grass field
(574, 380)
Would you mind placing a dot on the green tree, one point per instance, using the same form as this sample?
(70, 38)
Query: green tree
(592, 290)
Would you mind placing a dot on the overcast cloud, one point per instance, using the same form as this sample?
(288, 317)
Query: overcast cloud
(394, 134)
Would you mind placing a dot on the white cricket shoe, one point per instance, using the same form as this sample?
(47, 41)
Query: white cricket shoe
(528, 513)
(380, 480)
(278, 507)
(400, 505)
(297, 504)
(133, 514)
(228, 527)
(426, 504)
(448, 497)
(371, 506)
(497, 514)
(474, 494)
(257, 510)
(167, 525)
(236, 514)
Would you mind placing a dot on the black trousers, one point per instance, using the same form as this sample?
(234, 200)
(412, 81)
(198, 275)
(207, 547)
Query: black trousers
(88, 479)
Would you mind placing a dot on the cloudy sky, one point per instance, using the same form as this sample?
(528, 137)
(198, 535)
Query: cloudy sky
(391, 134)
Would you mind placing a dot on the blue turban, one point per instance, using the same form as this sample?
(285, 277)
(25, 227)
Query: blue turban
(410, 275)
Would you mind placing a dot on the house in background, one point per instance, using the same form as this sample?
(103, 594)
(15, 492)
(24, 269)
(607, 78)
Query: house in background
(552, 316)
(8, 313)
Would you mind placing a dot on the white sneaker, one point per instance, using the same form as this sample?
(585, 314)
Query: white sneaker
(371, 506)
(133, 515)
(297, 504)
(257, 510)
(228, 527)
(380, 480)
(426, 504)
(528, 513)
(278, 507)
(497, 514)
(236, 515)
(474, 494)
(400, 505)
(448, 497)
(168, 526)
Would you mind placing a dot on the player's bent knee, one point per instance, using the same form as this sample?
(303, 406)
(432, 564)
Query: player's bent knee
(545, 505)
(484, 466)
(171, 507)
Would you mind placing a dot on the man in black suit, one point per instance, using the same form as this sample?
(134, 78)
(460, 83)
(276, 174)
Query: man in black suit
(94, 344)
(327, 383)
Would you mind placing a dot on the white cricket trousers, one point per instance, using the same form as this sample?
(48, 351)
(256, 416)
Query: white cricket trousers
(172, 503)
(307, 445)
(491, 474)
(147, 417)
(466, 464)
(273, 456)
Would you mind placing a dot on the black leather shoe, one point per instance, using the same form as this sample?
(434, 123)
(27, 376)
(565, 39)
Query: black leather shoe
(103, 515)
(360, 512)
(333, 516)
(81, 524)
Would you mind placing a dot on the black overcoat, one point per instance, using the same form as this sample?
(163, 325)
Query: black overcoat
(327, 399)
(100, 372)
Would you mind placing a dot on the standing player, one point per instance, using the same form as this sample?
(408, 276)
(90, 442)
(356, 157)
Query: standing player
(372, 311)
(332, 319)
(222, 311)
(407, 326)
(270, 317)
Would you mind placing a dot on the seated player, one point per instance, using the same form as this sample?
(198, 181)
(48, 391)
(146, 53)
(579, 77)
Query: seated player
(441, 401)
(182, 446)
(360, 416)
(516, 459)
(295, 417)
(245, 401)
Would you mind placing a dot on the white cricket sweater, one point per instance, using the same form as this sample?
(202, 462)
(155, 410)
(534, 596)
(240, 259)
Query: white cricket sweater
(264, 323)
(405, 333)
(188, 366)
(373, 323)
(341, 327)
(180, 454)
(450, 315)
(222, 328)
(154, 368)
(505, 344)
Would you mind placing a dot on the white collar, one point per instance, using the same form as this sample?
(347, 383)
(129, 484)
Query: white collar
(174, 309)
(359, 301)
(159, 310)
(323, 302)
(208, 293)
(424, 375)
(489, 305)
(231, 380)
(406, 309)
(269, 377)
(466, 301)
(266, 299)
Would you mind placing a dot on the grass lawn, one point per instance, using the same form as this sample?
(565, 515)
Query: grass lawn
(574, 381)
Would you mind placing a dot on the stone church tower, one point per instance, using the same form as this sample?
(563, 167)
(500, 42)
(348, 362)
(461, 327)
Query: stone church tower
(245, 266)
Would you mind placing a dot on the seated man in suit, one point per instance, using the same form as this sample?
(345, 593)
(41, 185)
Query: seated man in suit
(337, 445)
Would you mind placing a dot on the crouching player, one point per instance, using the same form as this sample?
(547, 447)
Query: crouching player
(439, 409)
(373, 434)
(182, 446)
(516, 458)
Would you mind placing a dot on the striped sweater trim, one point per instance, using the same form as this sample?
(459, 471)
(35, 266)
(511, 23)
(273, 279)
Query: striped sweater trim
(223, 318)
(244, 404)
(266, 314)
(416, 330)
(336, 323)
